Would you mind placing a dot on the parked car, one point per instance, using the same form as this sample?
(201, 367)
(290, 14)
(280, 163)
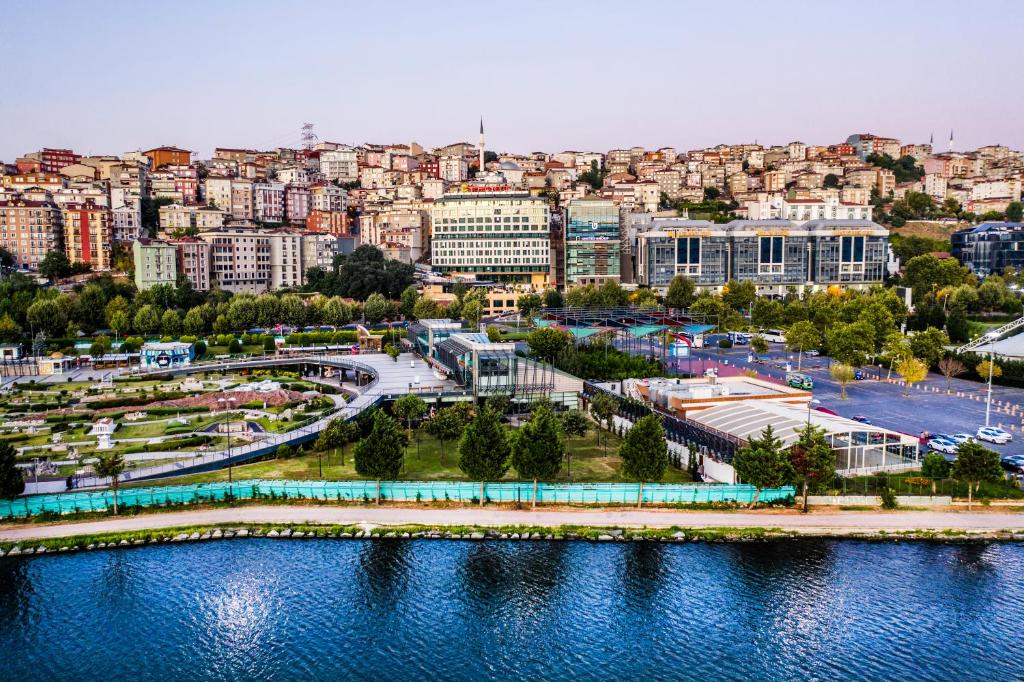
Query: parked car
(1013, 463)
(943, 445)
(960, 438)
(859, 374)
(811, 353)
(860, 418)
(993, 435)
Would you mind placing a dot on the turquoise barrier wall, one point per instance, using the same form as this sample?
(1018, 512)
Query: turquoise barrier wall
(406, 491)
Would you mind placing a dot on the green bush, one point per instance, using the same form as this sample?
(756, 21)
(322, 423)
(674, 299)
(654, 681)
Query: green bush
(888, 496)
(724, 343)
(235, 346)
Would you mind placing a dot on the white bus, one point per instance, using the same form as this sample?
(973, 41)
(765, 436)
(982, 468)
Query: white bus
(773, 335)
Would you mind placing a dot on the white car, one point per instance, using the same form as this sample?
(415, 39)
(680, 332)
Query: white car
(943, 445)
(961, 438)
(994, 435)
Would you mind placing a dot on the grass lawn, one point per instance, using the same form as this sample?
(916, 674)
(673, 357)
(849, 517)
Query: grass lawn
(589, 464)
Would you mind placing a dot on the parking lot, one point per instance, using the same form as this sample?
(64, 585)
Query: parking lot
(927, 408)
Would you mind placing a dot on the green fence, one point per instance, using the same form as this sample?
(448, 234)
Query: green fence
(403, 491)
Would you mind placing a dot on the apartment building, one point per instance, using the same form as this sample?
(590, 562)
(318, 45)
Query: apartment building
(592, 242)
(125, 214)
(402, 231)
(330, 222)
(239, 259)
(218, 192)
(340, 164)
(453, 168)
(155, 263)
(286, 259)
(193, 261)
(20, 182)
(168, 156)
(242, 207)
(504, 236)
(268, 202)
(87, 235)
(30, 229)
(327, 197)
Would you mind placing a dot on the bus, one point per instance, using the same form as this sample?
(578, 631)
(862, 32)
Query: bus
(773, 335)
(797, 380)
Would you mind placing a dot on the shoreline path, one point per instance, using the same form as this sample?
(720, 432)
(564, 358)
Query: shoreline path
(829, 523)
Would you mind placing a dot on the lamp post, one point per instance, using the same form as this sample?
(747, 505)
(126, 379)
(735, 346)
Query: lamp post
(230, 465)
(991, 361)
(812, 401)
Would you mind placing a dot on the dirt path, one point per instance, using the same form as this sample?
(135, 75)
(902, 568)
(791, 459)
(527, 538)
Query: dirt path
(817, 523)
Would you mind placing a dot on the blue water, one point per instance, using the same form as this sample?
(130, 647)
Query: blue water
(399, 609)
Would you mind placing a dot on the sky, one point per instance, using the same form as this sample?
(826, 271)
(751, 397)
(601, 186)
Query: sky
(107, 77)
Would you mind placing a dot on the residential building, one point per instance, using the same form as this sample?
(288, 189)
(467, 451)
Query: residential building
(331, 222)
(168, 156)
(218, 192)
(268, 202)
(318, 251)
(592, 242)
(453, 168)
(242, 200)
(30, 229)
(193, 258)
(777, 255)
(328, 197)
(340, 164)
(125, 214)
(502, 235)
(239, 259)
(400, 230)
(54, 160)
(175, 217)
(155, 263)
(87, 235)
(296, 204)
(20, 182)
(286, 265)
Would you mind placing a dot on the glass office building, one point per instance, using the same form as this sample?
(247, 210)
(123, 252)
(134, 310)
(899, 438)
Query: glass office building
(990, 248)
(593, 246)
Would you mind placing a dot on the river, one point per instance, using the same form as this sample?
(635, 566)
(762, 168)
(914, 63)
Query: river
(460, 610)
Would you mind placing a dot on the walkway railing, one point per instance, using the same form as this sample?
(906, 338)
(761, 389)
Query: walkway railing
(399, 491)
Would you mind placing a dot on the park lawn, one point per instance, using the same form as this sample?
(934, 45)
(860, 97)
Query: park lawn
(432, 461)
(143, 430)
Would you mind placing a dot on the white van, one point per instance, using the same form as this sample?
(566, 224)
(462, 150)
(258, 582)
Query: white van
(773, 335)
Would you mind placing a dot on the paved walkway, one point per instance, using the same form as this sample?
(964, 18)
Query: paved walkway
(816, 523)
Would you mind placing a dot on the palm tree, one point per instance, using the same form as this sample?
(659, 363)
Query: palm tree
(110, 465)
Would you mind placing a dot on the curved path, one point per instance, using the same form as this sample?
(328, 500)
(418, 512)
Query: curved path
(390, 378)
(829, 523)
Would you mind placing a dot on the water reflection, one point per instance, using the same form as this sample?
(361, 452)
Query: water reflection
(644, 572)
(383, 571)
(16, 588)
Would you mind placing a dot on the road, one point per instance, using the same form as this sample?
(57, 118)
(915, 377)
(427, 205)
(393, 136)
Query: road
(816, 523)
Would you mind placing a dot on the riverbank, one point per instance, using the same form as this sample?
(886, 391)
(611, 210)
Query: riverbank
(469, 523)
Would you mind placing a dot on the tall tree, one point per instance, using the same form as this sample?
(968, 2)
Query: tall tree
(975, 464)
(408, 408)
(147, 320)
(447, 425)
(934, 466)
(547, 342)
(110, 465)
(763, 463)
(12, 483)
(644, 453)
(537, 447)
(951, 368)
(812, 460)
(574, 425)
(604, 407)
(379, 454)
(484, 449)
(802, 336)
(842, 374)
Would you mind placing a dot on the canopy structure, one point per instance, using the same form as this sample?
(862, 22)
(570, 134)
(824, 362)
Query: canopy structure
(1011, 348)
(857, 445)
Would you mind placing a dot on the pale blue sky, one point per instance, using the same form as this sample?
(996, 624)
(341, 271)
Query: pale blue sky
(106, 77)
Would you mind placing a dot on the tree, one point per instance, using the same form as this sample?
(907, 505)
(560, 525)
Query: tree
(408, 408)
(379, 454)
(644, 453)
(375, 308)
(682, 292)
(547, 342)
(812, 460)
(934, 466)
(392, 351)
(739, 295)
(410, 295)
(929, 345)
(975, 464)
(484, 449)
(9, 329)
(537, 447)
(12, 483)
(528, 305)
(574, 425)
(170, 323)
(194, 322)
(55, 265)
(831, 180)
(426, 309)
(448, 423)
(472, 311)
(758, 344)
(913, 371)
(1015, 212)
(604, 407)
(147, 320)
(767, 312)
(842, 374)
(988, 368)
(763, 463)
(110, 465)
(100, 347)
(802, 335)
(553, 299)
(951, 368)
(47, 315)
(850, 343)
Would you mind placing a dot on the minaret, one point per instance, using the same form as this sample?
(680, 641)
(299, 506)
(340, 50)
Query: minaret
(481, 144)
(950, 139)
(931, 140)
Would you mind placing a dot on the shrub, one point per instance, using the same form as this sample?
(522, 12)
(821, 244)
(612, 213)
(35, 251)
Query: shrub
(235, 346)
(200, 348)
(888, 496)
(724, 343)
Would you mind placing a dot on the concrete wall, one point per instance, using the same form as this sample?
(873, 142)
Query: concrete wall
(903, 500)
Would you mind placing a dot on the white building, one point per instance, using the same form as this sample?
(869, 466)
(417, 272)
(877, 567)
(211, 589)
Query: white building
(453, 168)
(340, 164)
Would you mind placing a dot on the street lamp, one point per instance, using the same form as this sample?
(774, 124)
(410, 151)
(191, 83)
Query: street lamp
(812, 401)
(230, 465)
(991, 336)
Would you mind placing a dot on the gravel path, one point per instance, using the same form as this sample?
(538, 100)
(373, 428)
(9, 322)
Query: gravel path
(815, 523)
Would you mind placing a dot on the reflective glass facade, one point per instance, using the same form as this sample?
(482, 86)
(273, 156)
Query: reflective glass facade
(592, 242)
